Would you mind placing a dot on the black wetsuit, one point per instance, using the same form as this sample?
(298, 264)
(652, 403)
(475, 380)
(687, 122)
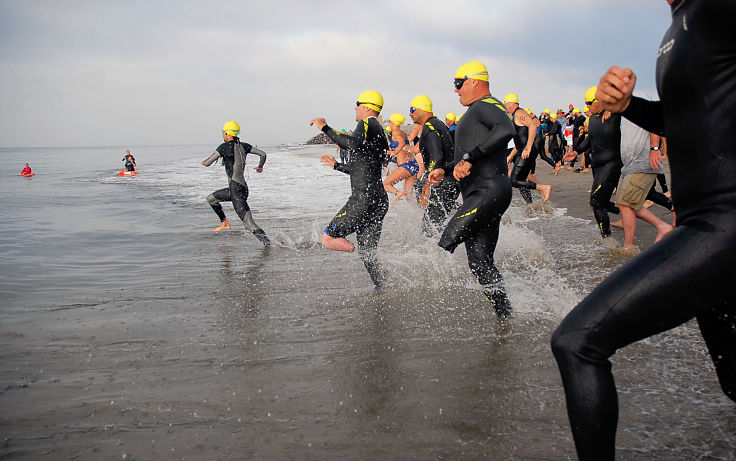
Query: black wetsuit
(483, 133)
(233, 157)
(689, 273)
(437, 149)
(523, 166)
(539, 141)
(555, 148)
(368, 203)
(605, 142)
(129, 163)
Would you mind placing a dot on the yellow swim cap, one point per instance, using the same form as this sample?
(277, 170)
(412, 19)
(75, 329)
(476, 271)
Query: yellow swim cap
(397, 118)
(553, 117)
(422, 102)
(590, 95)
(576, 110)
(472, 69)
(371, 99)
(547, 111)
(511, 97)
(451, 116)
(232, 128)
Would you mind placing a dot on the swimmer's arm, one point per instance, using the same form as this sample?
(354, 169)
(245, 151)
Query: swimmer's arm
(646, 114)
(346, 141)
(511, 156)
(501, 131)
(433, 146)
(211, 159)
(583, 144)
(260, 153)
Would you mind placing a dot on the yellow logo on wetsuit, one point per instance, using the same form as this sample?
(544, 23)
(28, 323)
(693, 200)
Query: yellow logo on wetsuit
(341, 214)
(474, 210)
(496, 103)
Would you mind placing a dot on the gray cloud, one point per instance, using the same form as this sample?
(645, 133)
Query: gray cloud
(117, 73)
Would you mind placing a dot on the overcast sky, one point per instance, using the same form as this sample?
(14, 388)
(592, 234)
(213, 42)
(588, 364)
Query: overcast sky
(117, 73)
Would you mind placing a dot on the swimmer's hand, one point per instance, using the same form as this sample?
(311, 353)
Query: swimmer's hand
(615, 89)
(328, 160)
(435, 176)
(258, 169)
(462, 170)
(526, 152)
(319, 122)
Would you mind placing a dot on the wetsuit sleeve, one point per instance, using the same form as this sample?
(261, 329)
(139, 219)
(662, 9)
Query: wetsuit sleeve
(647, 114)
(260, 153)
(347, 141)
(211, 159)
(433, 146)
(583, 144)
(501, 130)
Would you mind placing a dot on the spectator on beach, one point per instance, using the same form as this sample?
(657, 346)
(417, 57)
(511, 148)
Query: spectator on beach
(641, 165)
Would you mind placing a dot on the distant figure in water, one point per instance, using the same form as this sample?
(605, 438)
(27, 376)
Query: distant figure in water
(233, 153)
(368, 202)
(26, 171)
(129, 161)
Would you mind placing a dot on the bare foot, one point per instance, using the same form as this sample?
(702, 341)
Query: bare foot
(223, 225)
(397, 198)
(585, 170)
(546, 190)
(662, 230)
(338, 244)
(557, 168)
(618, 224)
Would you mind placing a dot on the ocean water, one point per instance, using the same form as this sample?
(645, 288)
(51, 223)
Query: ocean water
(130, 329)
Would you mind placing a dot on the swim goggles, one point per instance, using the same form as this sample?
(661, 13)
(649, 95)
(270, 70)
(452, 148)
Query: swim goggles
(459, 82)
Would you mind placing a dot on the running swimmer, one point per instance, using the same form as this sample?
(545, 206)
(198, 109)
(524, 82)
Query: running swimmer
(526, 130)
(451, 122)
(480, 167)
(368, 203)
(604, 136)
(233, 153)
(436, 147)
(689, 273)
(408, 166)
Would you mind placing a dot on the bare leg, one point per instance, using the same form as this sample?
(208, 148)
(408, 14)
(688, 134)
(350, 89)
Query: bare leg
(628, 219)
(224, 225)
(662, 227)
(397, 175)
(337, 244)
(545, 190)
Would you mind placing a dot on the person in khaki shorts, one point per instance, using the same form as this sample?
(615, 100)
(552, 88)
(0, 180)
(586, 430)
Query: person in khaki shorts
(642, 163)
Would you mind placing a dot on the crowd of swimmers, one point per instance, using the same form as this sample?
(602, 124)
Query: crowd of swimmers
(686, 275)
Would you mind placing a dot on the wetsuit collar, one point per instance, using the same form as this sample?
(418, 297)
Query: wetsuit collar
(676, 5)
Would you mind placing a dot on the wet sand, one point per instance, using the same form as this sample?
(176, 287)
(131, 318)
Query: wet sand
(272, 360)
(571, 190)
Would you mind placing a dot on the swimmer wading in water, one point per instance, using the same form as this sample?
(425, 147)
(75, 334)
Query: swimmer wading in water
(368, 203)
(233, 152)
(480, 166)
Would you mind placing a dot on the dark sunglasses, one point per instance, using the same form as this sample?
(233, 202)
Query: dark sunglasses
(589, 103)
(459, 82)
